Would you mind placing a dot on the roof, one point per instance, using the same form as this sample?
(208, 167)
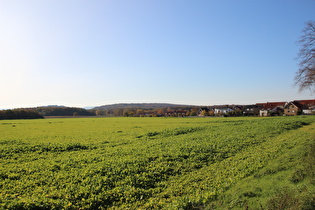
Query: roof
(271, 105)
(306, 103)
(224, 108)
(250, 106)
(204, 109)
(303, 102)
(295, 103)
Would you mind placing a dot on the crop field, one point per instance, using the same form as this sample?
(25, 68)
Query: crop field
(157, 163)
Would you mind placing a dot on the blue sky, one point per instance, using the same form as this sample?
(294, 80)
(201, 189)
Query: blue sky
(200, 52)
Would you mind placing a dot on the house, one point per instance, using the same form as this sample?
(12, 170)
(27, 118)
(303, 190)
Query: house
(277, 111)
(307, 106)
(264, 113)
(271, 105)
(175, 113)
(270, 108)
(237, 108)
(181, 113)
(222, 110)
(250, 110)
(293, 108)
(203, 111)
(306, 103)
(308, 111)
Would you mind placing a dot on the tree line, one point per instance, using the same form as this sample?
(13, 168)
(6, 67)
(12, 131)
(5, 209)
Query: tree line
(40, 112)
(19, 114)
(63, 111)
(139, 112)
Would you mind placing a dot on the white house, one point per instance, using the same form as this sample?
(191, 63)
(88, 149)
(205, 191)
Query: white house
(263, 113)
(222, 110)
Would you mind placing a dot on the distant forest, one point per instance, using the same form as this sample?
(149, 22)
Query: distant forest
(19, 114)
(41, 112)
(62, 111)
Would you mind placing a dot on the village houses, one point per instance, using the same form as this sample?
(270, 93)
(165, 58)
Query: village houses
(290, 108)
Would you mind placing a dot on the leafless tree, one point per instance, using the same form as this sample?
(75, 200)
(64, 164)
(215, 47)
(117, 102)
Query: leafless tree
(305, 76)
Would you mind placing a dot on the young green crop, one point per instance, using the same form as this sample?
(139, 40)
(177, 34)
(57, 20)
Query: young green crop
(148, 163)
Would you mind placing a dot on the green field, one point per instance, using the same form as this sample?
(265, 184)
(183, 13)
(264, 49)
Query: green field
(158, 163)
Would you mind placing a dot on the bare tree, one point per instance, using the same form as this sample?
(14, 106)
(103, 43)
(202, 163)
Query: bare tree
(305, 77)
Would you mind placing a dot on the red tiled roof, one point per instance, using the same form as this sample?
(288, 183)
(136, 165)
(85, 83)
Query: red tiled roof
(306, 102)
(270, 105)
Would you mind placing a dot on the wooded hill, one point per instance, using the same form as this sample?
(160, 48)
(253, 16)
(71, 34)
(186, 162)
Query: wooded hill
(62, 111)
(145, 106)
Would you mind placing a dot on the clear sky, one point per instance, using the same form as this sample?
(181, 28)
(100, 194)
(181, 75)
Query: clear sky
(200, 52)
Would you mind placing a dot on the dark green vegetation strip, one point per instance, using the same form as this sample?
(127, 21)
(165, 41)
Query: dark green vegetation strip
(136, 163)
(174, 132)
